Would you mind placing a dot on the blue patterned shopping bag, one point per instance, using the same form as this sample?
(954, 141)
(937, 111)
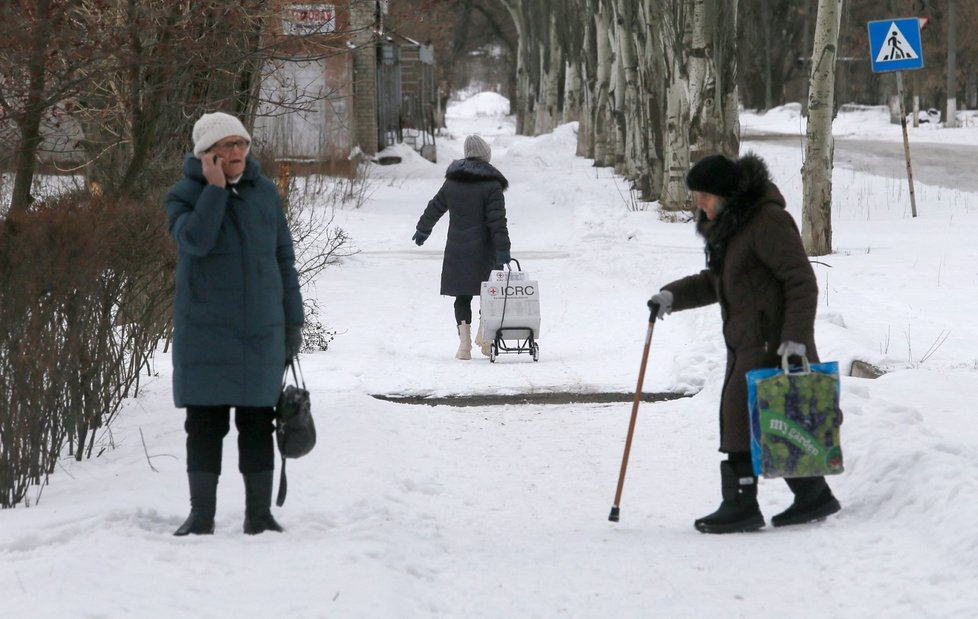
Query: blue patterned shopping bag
(795, 420)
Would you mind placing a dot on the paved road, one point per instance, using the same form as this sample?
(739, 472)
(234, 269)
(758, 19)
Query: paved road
(945, 165)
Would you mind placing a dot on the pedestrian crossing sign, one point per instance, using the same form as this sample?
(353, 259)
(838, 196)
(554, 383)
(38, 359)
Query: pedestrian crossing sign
(894, 44)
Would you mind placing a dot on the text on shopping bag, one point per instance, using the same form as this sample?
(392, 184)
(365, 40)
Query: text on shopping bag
(795, 422)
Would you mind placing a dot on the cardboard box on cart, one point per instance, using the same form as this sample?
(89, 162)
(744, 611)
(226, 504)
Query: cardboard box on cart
(520, 299)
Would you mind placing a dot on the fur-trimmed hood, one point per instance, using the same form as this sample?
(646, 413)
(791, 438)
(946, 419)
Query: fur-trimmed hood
(473, 170)
(754, 188)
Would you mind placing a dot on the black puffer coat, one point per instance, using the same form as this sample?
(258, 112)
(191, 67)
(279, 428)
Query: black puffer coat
(473, 196)
(758, 272)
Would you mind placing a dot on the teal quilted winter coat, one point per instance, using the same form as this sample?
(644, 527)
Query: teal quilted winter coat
(236, 289)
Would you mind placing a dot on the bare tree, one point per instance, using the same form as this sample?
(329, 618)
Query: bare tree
(86, 276)
(39, 65)
(133, 73)
(816, 228)
(166, 63)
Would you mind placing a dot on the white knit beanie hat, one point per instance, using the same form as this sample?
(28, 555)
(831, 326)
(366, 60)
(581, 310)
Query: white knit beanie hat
(212, 128)
(476, 147)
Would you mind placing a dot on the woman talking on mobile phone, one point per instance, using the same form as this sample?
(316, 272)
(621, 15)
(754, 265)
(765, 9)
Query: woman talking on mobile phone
(237, 316)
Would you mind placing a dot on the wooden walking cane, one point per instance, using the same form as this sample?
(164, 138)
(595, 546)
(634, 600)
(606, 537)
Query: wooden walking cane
(654, 308)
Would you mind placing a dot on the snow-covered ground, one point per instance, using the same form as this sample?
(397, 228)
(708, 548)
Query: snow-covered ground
(416, 511)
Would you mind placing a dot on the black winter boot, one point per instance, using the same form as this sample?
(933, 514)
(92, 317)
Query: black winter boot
(203, 504)
(739, 511)
(258, 503)
(813, 501)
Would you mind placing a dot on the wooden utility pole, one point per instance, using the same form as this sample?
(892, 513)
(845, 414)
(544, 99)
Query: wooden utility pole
(906, 143)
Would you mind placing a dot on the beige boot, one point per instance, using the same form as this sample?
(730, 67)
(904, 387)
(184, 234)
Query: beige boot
(464, 341)
(480, 342)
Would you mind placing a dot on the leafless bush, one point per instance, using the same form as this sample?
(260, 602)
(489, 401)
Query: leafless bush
(85, 294)
(355, 190)
(311, 202)
(86, 280)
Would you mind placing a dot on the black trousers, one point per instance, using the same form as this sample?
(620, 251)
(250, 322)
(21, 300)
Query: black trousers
(463, 309)
(207, 426)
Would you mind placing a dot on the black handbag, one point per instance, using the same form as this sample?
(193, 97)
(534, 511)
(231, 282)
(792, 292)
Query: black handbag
(295, 431)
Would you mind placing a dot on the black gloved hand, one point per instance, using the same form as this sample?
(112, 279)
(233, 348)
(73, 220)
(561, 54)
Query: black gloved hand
(420, 237)
(293, 341)
(502, 256)
(662, 300)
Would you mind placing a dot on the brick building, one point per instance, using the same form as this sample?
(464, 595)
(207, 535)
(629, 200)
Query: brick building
(406, 94)
(341, 89)
(334, 89)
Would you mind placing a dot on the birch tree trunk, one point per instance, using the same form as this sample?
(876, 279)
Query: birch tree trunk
(627, 25)
(602, 93)
(573, 93)
(652, 79)
(574, 30)
(585, 128)
(675, 147)
(695, 40)
(523, 109)
(652, 75)
(951, 116)
(586, 63)
(617, 99)
(714, 121)
(551, 65)
(816, 229)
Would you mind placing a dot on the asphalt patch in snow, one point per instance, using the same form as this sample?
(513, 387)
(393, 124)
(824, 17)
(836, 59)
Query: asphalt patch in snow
(559, 397)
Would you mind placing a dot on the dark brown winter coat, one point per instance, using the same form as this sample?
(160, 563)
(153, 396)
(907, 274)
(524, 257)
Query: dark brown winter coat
(473, 197)
(760, 275)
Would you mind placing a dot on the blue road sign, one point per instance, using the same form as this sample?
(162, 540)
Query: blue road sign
(894, 44)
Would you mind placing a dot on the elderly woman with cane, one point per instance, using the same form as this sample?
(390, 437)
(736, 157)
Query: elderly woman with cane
(757, 270)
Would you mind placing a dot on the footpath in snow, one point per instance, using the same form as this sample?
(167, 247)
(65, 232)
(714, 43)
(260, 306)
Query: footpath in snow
(413, 511)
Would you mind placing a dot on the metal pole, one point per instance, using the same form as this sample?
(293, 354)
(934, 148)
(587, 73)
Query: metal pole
(613, 517)
(906, 142)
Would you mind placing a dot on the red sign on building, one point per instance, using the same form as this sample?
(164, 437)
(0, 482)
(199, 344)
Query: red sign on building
(305, 19)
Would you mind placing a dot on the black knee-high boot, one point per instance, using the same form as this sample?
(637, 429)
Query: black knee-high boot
(813, 501)
(203, 504)
(739, 511)
(258, 503)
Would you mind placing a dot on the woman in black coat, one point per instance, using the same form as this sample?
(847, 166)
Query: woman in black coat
(478, 239)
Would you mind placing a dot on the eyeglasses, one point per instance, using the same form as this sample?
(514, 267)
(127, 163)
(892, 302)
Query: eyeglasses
(227, 147)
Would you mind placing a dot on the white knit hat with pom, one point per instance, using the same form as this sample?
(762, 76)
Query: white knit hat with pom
(214, 127)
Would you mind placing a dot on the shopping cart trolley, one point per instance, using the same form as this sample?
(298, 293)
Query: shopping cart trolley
(510, 306)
